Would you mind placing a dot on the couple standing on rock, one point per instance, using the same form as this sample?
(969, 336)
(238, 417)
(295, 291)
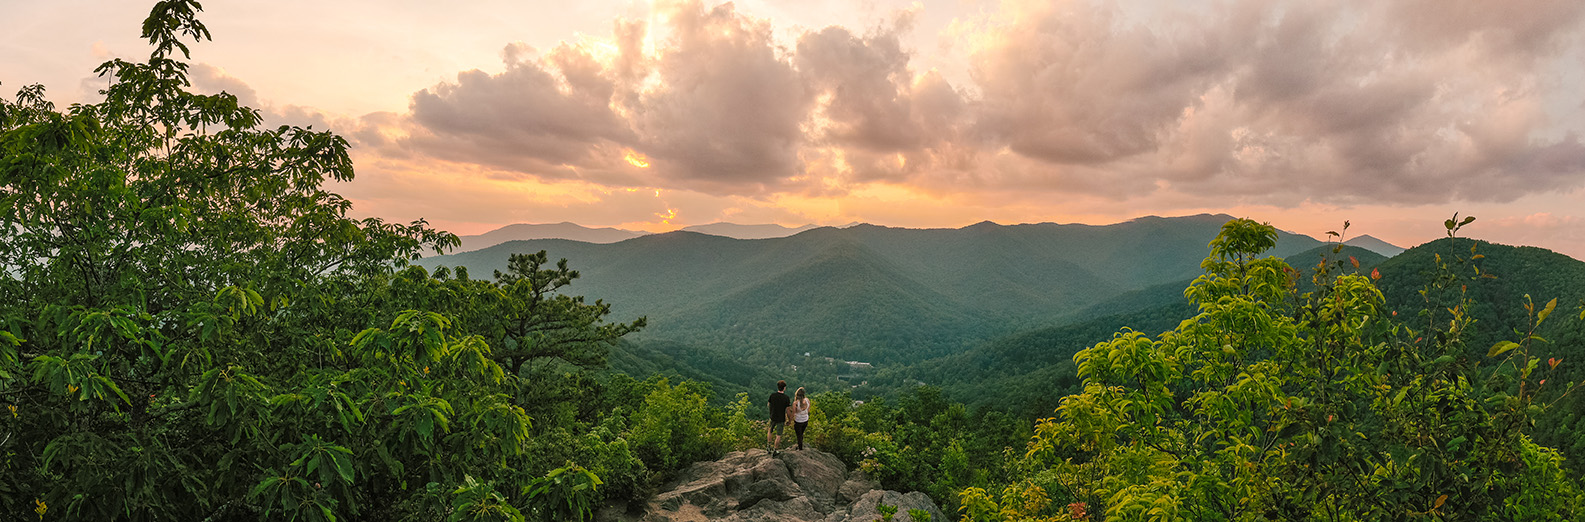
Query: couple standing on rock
(780, 409)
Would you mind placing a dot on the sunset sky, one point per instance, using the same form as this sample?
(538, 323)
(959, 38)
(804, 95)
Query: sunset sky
(658, 115)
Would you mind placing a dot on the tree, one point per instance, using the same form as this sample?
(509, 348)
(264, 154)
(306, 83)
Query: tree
(191, 327)
(536, 322)
(1273, 405)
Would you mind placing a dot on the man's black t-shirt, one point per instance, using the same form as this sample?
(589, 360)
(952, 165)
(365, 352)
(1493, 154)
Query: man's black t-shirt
(778, 407)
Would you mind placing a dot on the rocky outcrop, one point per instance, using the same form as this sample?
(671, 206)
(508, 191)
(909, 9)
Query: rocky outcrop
(794, 486)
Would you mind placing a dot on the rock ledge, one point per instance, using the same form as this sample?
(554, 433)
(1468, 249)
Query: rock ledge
(795, 486)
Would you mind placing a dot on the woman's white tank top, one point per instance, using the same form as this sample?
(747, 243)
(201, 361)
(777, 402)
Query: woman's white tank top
(801, 415)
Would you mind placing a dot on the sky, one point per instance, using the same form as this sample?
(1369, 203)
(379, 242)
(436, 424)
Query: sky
(1392, 115)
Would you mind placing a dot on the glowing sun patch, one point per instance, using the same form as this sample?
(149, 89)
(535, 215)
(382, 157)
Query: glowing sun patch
(637, 160)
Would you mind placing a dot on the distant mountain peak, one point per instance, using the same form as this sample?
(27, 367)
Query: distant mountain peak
(563, 230)
(739, 231)
(1201, 217)
(1373, 244)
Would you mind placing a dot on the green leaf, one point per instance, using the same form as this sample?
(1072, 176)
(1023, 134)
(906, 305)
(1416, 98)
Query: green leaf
(1501, 347)
(343, 466)
(267, 483)
(1550, 305)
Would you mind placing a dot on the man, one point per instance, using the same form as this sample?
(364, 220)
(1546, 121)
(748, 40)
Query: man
(778, 416)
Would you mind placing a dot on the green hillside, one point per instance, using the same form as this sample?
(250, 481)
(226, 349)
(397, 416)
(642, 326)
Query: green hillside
(848, 303)
(879, 294)
(726, 373)
(1029, 371)
(1342, 259)
(1498, 307)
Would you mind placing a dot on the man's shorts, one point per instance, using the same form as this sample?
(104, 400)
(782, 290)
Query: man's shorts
(775, 427)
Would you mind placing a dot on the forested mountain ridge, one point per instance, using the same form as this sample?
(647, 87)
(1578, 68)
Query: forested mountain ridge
(1030, 371)
(870, 292)
(1511, 274)
(1373, 244)
(527, 231)
(576, 232)
(737, 231)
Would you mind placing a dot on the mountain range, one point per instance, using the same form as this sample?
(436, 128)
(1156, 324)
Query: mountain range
(1029, 371)
(1372, 244)
(576, 232)
(990, 313)
(993, 314)
(869, 292)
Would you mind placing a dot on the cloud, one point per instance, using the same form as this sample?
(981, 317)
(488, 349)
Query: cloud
(1349, 102)
(726, 110)
(544, 115)
(875, 118)
(209, 79)
(717, 108)
(1284, 102)
(1070, 83)
(1564, 233)
(1069, 111)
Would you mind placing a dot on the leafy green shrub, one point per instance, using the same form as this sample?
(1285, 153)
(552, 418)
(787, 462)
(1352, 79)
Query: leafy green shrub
(565, 494)
(740, 432)
(675, 427)
(1270, 404)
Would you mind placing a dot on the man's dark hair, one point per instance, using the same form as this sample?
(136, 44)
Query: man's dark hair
(781, 385)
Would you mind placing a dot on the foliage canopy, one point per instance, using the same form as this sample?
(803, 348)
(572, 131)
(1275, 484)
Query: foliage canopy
(1270, 404)
(192, 327)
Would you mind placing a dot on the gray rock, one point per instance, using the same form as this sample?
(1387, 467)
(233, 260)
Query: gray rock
(753, 486)
(864, 509)
(775, 490)
(720, 508)
(820, 474)
(688, 513)
(855, 487)
(737, 481)
(669, 501)
(794, 509)
(769, 468)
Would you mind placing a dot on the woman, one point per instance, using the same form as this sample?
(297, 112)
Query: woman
(799, 412)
